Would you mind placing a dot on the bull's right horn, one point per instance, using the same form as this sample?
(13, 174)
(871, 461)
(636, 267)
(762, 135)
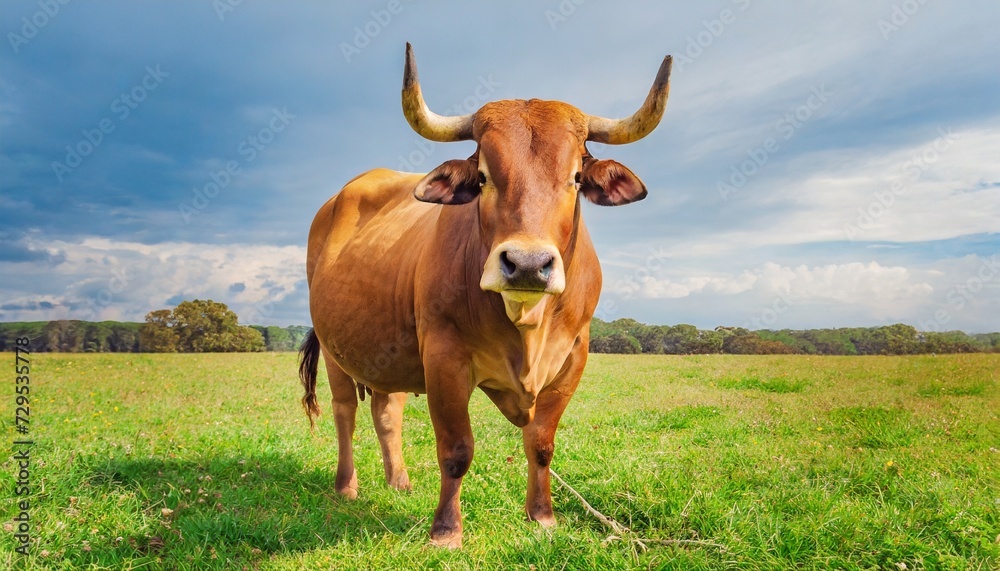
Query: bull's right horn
(642, 122)
(425, 122)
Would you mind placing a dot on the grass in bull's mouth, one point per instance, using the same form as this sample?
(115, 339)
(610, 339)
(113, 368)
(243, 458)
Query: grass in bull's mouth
(768, 462)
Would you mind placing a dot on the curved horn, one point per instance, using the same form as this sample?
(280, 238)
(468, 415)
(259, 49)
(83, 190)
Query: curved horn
(640, 124)
(425, 122)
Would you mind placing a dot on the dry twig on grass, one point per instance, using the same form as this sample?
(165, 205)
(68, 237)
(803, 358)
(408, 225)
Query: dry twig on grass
(624, 533)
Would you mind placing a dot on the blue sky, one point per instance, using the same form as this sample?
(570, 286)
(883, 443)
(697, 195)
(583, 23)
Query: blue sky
(819, 165)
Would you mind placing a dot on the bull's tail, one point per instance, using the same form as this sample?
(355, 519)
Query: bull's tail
(308, 364)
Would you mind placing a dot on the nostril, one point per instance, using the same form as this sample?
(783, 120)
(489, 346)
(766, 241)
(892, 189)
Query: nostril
(522, 269)
(546, 270)
(506, 266)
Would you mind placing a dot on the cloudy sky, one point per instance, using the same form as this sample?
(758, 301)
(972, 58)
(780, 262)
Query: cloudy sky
(820, 164)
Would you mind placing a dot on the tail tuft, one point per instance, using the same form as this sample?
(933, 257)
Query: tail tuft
(308, 364)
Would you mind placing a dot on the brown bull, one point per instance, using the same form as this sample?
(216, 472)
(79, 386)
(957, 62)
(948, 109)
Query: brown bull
(487, 279)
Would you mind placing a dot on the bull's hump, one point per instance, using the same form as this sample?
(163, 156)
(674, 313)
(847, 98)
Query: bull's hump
(377, 194)
(379, 188)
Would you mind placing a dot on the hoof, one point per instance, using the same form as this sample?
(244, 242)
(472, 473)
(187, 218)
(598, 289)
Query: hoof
(447, 535)
(348, 489)
(401, 483)
(450, 540)
(543, 516)
(547, 521)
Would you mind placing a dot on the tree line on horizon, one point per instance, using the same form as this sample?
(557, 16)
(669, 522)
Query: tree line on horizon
(198, 326)
(208, 326)
(629, 336)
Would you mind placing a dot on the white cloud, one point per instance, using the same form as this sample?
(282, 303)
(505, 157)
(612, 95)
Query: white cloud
(110, 279)
(916, 193)
(852, 283)
(942, 294)
(653, 288)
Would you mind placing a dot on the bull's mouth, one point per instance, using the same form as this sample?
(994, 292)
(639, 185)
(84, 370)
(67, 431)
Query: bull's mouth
(525, 308)
(525, 294)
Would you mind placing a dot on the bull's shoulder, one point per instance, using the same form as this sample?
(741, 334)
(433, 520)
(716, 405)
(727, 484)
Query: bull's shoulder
(364, 198)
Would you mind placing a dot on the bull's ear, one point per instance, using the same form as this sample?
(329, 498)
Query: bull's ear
(454, 182)
(610, 183)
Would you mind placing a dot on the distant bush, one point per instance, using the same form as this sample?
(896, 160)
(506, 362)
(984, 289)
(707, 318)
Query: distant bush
(683, 339)
(72, 336)
(616, 343)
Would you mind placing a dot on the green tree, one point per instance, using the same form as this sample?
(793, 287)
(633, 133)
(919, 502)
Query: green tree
(651, 339)
(900, 339)
(680, 339)
(989, 341)
(62, 335)
(599, 344)
(794, 339)
(623, 343)
(298, 335)
(752, 344)
(33, 330)
(278, 339)
(741, 341)
(246, 340)
(951, 342)
(709, 342)
(599, 328)
(831, 341)
(198, 326)
(159, 333)
(208, 326)
(95, 337)
(203, 326)
(124, 337)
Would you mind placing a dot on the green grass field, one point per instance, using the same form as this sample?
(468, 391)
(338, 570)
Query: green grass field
(773, 462)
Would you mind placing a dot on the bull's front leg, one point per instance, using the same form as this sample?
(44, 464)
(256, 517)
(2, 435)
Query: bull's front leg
(446, 370)
(539, 436)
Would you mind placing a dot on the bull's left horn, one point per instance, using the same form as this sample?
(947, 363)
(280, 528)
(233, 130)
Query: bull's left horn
(640, 124)
(425, 122)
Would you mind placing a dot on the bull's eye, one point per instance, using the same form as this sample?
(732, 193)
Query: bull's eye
(576, 179)
(482, 178)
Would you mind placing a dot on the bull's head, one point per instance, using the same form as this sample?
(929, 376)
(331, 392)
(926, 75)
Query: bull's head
(529, 168)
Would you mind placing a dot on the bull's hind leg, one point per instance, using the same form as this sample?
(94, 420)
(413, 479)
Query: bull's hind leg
(345, 407)
(387, 413)
(539, 436)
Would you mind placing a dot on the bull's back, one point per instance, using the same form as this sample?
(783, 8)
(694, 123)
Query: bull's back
(364, 246)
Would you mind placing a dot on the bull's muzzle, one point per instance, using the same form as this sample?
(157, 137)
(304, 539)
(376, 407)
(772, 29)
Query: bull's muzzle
(524, 272)
(527, 270)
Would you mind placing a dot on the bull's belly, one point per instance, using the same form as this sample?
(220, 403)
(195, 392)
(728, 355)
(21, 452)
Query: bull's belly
(388, 363)
(370, 336)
